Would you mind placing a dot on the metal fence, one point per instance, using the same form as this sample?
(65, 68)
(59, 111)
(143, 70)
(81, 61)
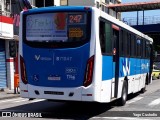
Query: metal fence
(146, 21)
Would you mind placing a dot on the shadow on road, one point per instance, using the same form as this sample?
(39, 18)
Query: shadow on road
(66, 110)
(63, 110)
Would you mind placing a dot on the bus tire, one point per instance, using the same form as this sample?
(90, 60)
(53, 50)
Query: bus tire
(123, 99)
(143, 90)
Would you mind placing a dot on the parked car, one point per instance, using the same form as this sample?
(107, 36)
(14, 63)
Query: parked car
(156, 72)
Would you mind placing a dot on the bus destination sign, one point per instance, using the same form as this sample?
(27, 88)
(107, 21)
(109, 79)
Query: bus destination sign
(76, 19)
(75, 32)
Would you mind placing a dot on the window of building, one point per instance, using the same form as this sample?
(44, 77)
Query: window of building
(44, 3)
(97, 4)
(49, 3)
(106, 9)
(5, 7)
(0, 6)
(103, 8)
(63, 2)
(107, 1)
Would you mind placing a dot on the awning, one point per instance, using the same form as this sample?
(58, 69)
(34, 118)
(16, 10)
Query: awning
(6, 27)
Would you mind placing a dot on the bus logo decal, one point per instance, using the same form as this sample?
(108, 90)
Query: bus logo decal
(37, 57)
(125, 67)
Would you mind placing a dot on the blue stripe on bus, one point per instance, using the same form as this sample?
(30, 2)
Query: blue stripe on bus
(133, 66)
(127, 67)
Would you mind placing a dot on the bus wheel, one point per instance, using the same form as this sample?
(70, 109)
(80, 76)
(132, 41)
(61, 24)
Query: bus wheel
(144, 89)
(123, 99)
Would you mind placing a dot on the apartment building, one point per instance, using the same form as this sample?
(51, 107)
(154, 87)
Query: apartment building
(101, 4)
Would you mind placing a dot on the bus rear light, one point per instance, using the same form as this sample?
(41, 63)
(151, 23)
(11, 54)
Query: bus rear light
(23, 71)
(89, 72)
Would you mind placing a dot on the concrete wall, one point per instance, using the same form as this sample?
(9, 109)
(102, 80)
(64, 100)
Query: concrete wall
(82, 2)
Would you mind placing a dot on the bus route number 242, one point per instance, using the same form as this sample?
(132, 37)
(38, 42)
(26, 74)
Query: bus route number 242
(75, 18)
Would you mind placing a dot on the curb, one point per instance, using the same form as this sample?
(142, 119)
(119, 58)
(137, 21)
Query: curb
(9, 97)
(4, 95)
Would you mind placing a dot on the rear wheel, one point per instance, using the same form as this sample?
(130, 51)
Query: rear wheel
(123, 99)
(144, 89)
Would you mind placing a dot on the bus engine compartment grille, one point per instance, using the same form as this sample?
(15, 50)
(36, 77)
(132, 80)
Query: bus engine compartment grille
(54, 92)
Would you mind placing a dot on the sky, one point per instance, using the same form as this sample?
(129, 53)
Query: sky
(146, 13)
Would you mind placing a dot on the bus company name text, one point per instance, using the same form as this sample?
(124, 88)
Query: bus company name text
(15, 114)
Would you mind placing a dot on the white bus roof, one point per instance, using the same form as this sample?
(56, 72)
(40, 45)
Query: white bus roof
(123, 25)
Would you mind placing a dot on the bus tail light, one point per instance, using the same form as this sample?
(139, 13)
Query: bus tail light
(23, 71)
(89, 72)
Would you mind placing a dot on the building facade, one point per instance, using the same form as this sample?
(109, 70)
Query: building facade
(101, 4)
(6, 34)
(9, 28)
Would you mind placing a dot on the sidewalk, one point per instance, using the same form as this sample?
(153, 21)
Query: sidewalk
(8, 94)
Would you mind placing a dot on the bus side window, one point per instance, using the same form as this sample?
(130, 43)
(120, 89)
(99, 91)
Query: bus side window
(139, 43)
(147, 49)
(128, 45)
(105, 37)
(143, 48)
(122, 43)
(132, 46)
(102, 36)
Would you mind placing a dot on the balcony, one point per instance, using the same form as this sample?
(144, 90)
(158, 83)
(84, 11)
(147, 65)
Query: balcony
(5, 13)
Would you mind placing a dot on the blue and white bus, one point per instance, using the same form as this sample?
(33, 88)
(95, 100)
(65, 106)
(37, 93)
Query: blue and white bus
(81, 54)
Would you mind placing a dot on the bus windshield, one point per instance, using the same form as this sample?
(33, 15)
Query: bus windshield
(57, 27)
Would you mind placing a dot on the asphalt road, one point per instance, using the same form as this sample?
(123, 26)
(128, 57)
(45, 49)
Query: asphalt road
(139, 106)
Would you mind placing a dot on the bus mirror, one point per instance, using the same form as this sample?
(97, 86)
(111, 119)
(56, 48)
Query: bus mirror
(12, 48)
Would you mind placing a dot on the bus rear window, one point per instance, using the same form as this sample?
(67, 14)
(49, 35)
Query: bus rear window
(57, 27)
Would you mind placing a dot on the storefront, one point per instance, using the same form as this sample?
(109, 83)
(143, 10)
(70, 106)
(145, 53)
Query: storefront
(3, 76)
(6, 63)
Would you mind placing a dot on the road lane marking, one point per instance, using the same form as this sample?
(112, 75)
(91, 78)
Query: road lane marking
(134, 100)
(155, 102)
(39, 100)
(3, 101)
(21, 100)
(17, 100)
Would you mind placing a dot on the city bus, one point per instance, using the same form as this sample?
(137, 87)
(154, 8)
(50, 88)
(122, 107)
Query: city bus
(76, 53)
